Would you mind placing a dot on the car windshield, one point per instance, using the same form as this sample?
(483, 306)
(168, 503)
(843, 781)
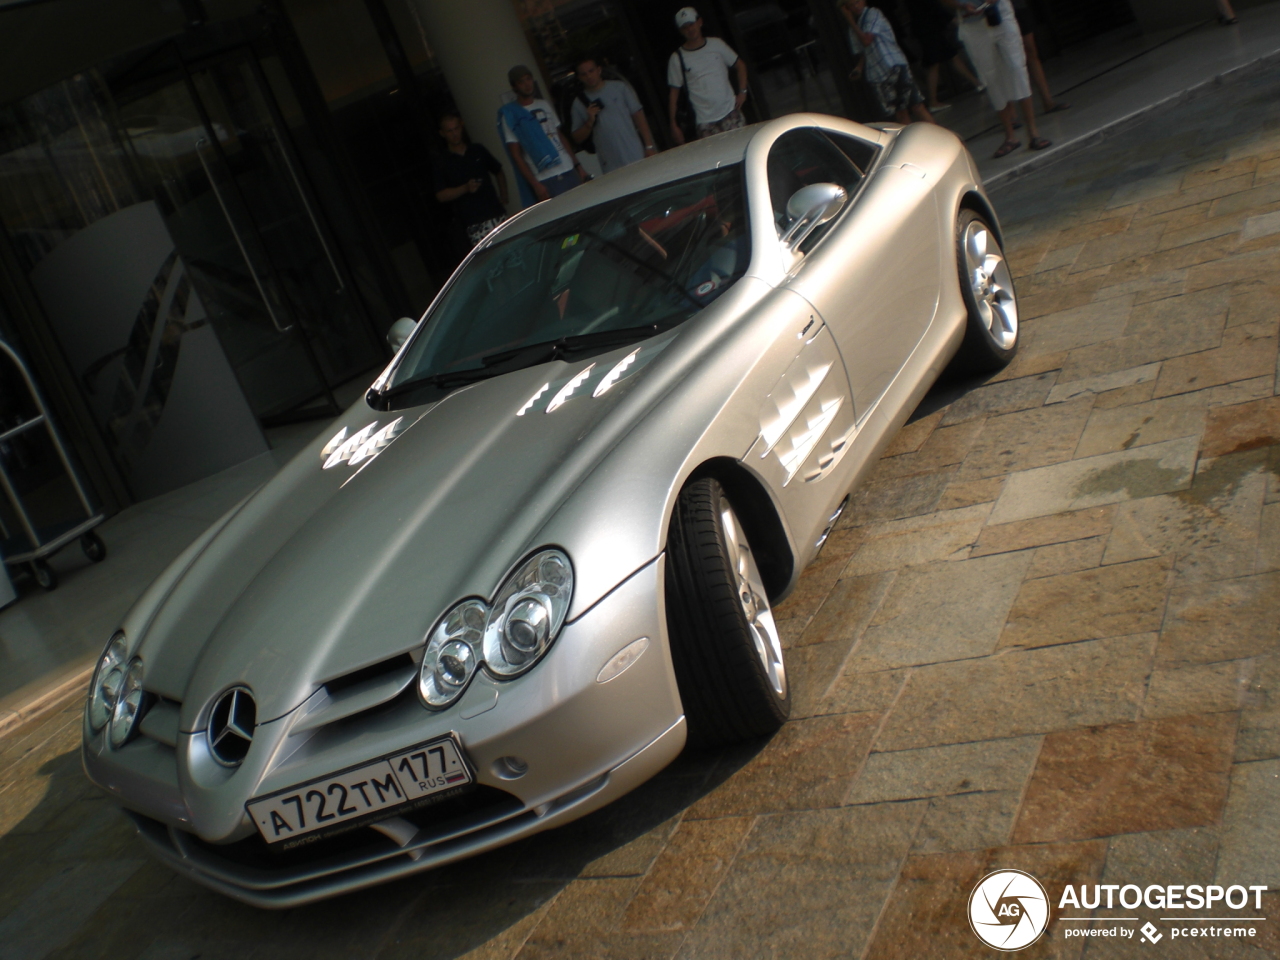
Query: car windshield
(618, 272)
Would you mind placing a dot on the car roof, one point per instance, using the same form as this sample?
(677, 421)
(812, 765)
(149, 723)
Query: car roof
(692, 158)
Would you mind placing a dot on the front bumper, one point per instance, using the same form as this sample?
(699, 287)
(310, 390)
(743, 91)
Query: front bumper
(585, 743)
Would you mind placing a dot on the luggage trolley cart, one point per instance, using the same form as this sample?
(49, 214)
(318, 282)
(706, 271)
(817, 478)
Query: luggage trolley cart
(33, 545)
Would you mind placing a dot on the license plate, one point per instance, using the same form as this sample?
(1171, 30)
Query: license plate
(420, 772)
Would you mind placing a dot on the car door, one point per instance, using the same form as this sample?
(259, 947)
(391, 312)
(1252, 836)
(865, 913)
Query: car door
(873, 272)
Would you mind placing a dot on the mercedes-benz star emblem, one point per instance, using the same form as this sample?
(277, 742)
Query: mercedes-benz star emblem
(231, 725)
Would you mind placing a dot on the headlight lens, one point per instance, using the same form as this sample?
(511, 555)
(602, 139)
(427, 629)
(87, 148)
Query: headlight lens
(108, 678)
(128, 707)
(453, 652)
(527, 613)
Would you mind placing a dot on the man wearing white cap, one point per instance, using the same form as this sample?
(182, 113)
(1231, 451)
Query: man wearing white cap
(701, 67)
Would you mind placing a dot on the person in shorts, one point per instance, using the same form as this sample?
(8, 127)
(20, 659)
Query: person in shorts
(609, 112)
(1035, 69)
(883, 64)
(701, 66)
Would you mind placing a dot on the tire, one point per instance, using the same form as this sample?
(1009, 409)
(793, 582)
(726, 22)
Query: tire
(93, 547)
(724, 644)
(991, 334)
(44, 575)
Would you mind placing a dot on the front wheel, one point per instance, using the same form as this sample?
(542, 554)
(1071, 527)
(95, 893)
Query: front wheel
(724, 644)
(991, 335)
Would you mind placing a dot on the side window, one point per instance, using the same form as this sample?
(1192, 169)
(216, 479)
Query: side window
(860, 153)
(802, 157)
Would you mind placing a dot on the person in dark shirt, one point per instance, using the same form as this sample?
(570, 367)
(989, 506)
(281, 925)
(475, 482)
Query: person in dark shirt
(463, 182)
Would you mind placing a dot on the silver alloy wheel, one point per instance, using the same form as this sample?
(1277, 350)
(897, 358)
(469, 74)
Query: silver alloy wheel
(755, 604)
(991, 284)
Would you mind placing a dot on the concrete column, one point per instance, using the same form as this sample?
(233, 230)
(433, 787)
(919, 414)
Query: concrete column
(476, 42)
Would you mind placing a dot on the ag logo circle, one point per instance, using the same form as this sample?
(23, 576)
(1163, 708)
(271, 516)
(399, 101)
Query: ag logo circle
(1008, 910)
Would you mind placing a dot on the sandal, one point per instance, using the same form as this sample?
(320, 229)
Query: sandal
(1039, 143)
(1007, 148)
(1059, 107)
(1228, 21)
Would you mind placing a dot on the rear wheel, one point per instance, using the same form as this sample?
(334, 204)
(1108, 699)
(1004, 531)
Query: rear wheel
(724, 644)
(44, 575)
(991, 336)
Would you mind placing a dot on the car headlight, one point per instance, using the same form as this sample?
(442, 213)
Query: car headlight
(108, 678)
(508, 637)
(128, 707)
(527, 613)
(453, 653)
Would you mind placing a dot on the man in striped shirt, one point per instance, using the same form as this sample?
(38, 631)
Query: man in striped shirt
(883, 64)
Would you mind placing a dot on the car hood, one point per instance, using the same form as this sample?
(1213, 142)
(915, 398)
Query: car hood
(328, 569)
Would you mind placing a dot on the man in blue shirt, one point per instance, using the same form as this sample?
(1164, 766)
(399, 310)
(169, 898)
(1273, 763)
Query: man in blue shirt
(883, 64)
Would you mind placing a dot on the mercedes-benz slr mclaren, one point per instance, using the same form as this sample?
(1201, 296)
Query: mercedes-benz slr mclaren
(538, 557)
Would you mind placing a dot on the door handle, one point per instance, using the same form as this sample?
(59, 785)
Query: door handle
(266, 300)
(306, 205)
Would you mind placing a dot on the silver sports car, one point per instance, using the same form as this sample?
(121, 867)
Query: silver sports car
(537, 559)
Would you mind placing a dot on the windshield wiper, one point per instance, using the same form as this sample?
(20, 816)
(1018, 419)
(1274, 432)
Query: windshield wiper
(564, 347)
(444, 381)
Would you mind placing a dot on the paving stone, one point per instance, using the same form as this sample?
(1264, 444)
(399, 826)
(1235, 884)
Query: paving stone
(1204, 688)
(916, 540)
(1261, 226)
(1027, 365)
(821, 575)
(1147, 287)
(50, 916)
(898, 497)
(856, 692)
(1020, 692)
(1247, 351)
(945, 447)
(1253, 301)
(1094, 481)
(807, 884)
(1038, 531)
(1003, 396)
(1068, 329)
(1208, 229)
(927, 914)
(966, 493)
(967, 821)
(453, 921)
(1128, 778)
(1026, 439)
(811, 670)
(1110, 601)
(848, 609)
(686, 875)
(1211, 527)
(1123, 246)
(1231, 269)
(1094, 230)
(1251, 826)
(1068, 557)
(1062, 392)
(921, 620)
(1242, 200)
(1123, 396)
(913, 435)
(1208, 622)
(1142, 424)
(1269, 539)
(940, 771)
(808, 765)
(1241, 427)
(1133, 350)
(1259, 735)
(1058, 258)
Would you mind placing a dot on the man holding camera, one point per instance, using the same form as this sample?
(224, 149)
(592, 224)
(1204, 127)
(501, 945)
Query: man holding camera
(609, 111)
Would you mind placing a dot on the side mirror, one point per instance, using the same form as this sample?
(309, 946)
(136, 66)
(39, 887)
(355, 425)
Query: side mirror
(400, 331)
(809, 208)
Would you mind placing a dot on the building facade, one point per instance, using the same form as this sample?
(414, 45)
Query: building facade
(213, 210)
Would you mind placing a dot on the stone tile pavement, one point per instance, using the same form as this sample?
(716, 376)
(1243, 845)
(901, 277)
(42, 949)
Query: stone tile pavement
(1044, 637)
